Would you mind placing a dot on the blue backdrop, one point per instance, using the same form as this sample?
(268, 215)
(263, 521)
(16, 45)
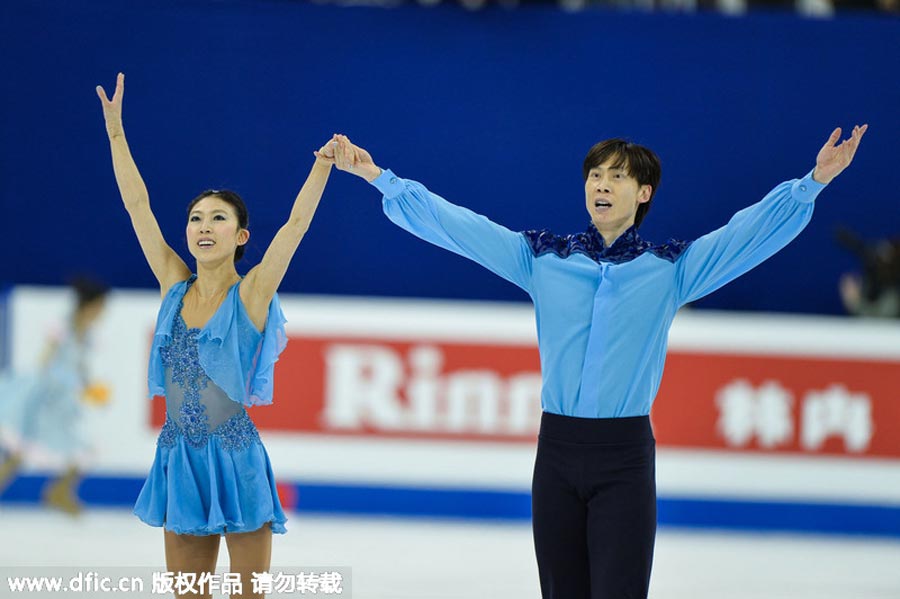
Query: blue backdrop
(494, 110)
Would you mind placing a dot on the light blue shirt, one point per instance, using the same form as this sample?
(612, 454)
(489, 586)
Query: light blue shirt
(603, 313)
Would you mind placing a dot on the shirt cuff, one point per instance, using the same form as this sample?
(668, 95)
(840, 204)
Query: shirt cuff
(389, 184)
(806, 189)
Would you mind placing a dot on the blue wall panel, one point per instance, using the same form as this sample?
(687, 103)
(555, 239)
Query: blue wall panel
(494, 110)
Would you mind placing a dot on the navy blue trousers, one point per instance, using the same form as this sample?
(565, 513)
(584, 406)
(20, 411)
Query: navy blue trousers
(593, 501)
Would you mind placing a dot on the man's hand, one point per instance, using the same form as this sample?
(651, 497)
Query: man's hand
(354, 160)
(833, 158)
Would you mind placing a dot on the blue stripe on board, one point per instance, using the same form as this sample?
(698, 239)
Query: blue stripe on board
(781, 516)
(404, 501)
(509, 505)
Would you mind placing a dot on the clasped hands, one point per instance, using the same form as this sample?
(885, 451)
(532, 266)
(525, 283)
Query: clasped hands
(346, 156)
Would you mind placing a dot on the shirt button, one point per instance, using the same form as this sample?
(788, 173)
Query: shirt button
(803, 188)
(394, 180)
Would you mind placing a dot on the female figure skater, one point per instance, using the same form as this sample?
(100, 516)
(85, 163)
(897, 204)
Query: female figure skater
(217, 338)
(40, 414)
(604, 301)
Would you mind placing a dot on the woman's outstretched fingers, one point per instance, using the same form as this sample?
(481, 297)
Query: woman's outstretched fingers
(117, 92)
(120, 87)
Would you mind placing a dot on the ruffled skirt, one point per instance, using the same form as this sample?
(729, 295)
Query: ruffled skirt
(210, 490)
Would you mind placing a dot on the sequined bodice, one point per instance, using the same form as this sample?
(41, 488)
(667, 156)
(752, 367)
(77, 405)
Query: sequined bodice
(196, 408)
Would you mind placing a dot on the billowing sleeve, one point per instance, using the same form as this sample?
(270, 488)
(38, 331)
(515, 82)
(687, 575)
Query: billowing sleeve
(239, 358)
(751, 236)
(156, 372)
(432, 218)
(273, 343)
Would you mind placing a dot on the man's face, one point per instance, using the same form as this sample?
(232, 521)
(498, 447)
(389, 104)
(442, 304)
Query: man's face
(612, 198)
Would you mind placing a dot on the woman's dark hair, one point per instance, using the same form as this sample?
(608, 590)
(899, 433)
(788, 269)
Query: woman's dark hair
(233, 199)
(638, 161)
(87, 290)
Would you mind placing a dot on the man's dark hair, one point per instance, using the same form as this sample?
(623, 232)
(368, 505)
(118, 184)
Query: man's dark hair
(638, 161)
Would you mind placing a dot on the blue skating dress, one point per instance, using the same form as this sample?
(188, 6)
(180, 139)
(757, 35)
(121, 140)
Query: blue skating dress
(211, 474)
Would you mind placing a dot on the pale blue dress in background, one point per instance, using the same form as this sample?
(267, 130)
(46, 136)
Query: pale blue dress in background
(41, 412)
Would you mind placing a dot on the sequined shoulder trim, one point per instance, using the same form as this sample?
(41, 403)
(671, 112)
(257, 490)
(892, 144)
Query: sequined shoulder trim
(671, 250)
(590, 244)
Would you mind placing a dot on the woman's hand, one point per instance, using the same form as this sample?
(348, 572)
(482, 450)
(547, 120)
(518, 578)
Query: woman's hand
(112, 109)
(326, 153)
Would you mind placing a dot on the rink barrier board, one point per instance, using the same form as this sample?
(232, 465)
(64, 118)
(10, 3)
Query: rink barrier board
(479, 504)
(381, 452)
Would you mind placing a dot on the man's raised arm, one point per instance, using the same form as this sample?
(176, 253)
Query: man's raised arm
(432, 218)
(759, 231)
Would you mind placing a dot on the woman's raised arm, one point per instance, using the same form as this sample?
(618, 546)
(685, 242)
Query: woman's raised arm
(167, 265)
(261, 283)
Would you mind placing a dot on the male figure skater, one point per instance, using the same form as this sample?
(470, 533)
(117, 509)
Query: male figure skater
(604, 301)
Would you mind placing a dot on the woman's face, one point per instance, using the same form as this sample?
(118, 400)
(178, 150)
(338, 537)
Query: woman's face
(213, 231)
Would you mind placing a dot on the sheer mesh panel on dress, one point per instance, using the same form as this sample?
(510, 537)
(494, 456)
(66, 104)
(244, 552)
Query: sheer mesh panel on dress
(197, 408)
